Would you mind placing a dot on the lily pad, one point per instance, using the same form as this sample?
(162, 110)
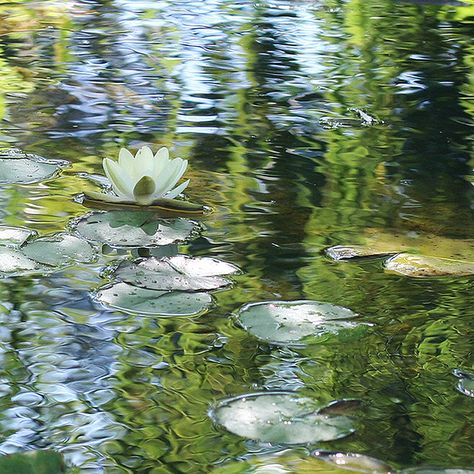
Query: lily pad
(423, 266)
(21, 168)
(14, 263)
(348, 252)
(60, 249)
(355, 462)
(133, 229)
(466, 382)
(131, 299)
(281, 418)
(32, 462)
(180, 272)
(286, 322)
(167, 206)
(379, 242)
(15, 235)
(297, 462)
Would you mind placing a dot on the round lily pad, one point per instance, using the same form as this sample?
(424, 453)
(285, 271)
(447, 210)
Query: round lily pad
(14, 263)
(133, 229)
(424, 266)
(131, 299)
(14, 235)
(354, 462)
(60, 249)
(281, 418)
(298, 462)
(21, 168)
(286, 322)
(180, 272)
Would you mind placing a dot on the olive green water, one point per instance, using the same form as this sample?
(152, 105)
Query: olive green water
(307, 124)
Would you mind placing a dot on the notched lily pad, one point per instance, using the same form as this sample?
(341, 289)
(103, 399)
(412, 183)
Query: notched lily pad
(354, 462)
(288, 322)
(133, 229)
(14, 263)
(423, 266)
(466, 382)
(348, 252)
(180, 273)
(59, 249)
(131, 299)
(15, 236)
(18, 167)
(165, 206)
(32, 462)
(280, 418)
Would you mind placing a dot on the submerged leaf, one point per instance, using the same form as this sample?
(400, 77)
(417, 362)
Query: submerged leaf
(289, 322)
(422, 266)
(181, 273)
(131, 299)
(279, 417)
(133, 229)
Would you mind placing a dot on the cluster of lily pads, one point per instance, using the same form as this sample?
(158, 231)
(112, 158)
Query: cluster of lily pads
(165, 283)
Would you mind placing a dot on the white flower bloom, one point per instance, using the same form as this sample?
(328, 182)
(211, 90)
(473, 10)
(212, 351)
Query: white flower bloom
(143, 178)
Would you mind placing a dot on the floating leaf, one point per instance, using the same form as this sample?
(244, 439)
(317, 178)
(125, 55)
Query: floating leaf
(354, 462)
(14, 235)
(133, 229)
(280, 417)
(21, 168)
(292, 461)
(347, 252)
(168, 206)
(131, 299)
(379, 242)
(32, 462)
(292, 321)
(181, 273)
(421, 266)
(466, 382)
(14, 263)
(60, 249)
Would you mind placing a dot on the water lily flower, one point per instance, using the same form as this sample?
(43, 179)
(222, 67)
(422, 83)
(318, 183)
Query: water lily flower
(145, 177)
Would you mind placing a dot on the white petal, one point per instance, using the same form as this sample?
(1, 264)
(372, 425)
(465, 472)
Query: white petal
(161, 162)
(180, 168)
(166, 180)
(178, 190)
(144, 161)
(117, 178)
(127, 162)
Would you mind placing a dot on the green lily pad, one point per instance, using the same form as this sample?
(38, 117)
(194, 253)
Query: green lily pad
(14, 263)
(32, 462)
(133, 229)
(21, 168)
(423, 266)
(287, 322)
(15, 235)
(354, 462)
(180, 273)
(296, 462)
(131, 299)
(167, 206)
(59, 249)
(381, 242)
(281, 418)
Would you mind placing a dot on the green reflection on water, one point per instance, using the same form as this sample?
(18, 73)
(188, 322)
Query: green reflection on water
(307, 125)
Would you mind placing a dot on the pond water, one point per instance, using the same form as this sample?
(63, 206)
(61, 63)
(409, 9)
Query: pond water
(307, 125)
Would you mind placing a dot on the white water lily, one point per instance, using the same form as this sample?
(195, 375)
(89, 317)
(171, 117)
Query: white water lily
(145, 177)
